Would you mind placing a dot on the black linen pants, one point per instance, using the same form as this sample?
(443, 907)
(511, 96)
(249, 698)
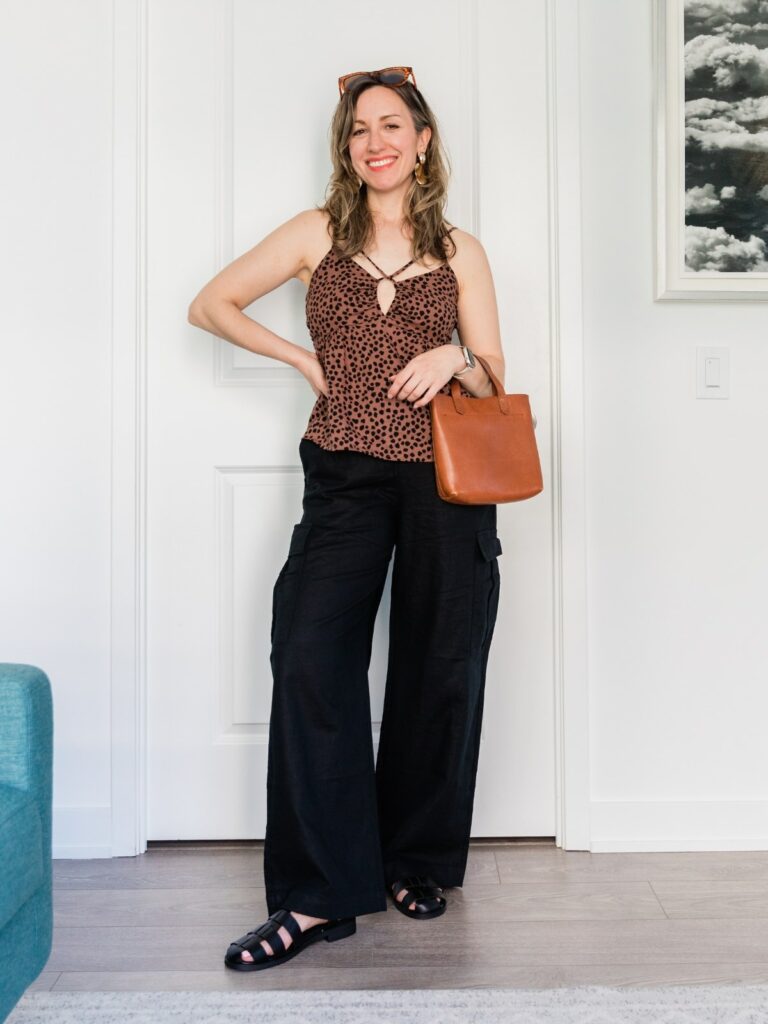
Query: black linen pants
(340, 829)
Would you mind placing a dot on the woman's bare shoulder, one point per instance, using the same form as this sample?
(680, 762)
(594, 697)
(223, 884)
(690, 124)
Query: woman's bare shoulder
(470, 256)
(316, 225)
(315, 220)
(463, 240)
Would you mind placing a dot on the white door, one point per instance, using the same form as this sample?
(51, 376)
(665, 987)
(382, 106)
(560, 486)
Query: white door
(240, 99)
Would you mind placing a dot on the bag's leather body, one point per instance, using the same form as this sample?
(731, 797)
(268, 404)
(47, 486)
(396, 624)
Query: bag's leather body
(484, 449)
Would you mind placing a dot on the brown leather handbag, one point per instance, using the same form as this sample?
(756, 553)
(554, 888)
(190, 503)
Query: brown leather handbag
(484, 448)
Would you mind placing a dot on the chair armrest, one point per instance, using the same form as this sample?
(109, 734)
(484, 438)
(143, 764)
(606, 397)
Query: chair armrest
(26, 737)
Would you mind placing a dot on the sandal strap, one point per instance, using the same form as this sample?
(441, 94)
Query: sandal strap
(288, 921)
(251, 941)
(422, 882)
(420, 888)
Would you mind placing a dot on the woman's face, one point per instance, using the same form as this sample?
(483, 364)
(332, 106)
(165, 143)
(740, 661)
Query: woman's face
(384, 131)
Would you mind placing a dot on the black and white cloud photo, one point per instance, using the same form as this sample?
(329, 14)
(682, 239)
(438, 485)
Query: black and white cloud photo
(726, 136)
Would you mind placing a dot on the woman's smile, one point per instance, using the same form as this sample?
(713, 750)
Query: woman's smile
(381, 163)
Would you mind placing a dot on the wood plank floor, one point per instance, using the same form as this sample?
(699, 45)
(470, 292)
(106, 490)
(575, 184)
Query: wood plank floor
(528, 915)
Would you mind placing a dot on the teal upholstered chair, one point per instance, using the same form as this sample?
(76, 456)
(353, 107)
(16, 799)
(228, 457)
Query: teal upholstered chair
(26, 785)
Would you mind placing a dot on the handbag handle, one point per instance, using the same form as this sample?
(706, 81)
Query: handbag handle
(460, 402)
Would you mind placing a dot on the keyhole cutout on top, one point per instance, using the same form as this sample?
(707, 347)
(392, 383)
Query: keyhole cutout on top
(384, 288)
(383, 281)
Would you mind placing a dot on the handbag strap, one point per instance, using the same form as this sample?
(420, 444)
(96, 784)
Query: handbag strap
(501, 395)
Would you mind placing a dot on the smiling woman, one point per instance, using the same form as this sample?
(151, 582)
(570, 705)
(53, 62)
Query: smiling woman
(382, 305)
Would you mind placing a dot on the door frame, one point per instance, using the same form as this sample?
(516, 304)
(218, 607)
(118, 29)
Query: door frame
(567, 493)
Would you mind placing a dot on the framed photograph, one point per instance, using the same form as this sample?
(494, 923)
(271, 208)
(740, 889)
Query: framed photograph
(711, 149)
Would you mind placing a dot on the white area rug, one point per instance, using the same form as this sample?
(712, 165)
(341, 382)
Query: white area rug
(697, 1004)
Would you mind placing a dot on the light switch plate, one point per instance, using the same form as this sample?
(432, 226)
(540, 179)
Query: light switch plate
(713, 372)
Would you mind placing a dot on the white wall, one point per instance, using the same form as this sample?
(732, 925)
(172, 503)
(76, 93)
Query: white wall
(677, 500)
(55, 203)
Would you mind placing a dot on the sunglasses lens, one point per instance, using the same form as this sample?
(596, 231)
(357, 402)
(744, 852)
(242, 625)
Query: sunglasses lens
(352, 81)
(393, 77)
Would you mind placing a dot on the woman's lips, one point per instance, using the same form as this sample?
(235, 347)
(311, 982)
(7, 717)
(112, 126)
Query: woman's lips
(383, 167)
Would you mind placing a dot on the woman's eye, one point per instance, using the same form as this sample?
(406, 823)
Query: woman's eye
(357, 132)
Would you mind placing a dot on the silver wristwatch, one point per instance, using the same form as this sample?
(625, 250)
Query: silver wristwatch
(469, 359)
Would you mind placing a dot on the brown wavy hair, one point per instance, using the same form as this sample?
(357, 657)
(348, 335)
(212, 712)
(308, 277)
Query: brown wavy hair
(351, 225)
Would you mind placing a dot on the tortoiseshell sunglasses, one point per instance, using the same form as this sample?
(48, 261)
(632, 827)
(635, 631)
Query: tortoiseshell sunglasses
(387, 76)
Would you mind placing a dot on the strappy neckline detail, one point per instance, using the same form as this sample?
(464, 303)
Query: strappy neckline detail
(391, 277)
(375, 281)
(413, 277)
(334, 253)
(349, 259)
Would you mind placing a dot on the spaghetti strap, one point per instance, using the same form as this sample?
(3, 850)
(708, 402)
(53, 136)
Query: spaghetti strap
(391, 276)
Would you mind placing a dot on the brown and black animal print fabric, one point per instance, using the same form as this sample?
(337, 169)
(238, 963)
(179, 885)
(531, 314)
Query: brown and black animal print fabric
(359, 345)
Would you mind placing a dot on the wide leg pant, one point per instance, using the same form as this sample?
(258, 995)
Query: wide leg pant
(338, 828)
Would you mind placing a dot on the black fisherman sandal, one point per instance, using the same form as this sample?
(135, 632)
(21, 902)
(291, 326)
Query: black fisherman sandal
(339, 928)
(421, 890)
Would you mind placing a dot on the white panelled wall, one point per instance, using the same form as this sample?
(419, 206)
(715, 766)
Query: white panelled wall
(632, 646)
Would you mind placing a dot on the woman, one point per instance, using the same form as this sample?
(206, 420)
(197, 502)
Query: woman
(382, 304)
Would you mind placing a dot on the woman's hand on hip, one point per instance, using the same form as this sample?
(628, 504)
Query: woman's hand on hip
(311, 368)
(423, 376)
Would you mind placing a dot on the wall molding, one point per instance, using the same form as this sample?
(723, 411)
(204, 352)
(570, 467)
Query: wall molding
(128, 682)
(228, 484)
(82, 832)
(226, 372)
(568, 467)
(658, 826)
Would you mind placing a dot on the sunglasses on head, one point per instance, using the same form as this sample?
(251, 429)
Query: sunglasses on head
(386, 76)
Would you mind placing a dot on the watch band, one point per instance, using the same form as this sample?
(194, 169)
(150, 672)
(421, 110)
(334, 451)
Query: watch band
(469, 359)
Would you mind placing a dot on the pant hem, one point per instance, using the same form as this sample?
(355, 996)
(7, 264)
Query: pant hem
(354, 905)
(447, 876)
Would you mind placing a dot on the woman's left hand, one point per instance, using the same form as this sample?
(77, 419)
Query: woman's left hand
(422, 377)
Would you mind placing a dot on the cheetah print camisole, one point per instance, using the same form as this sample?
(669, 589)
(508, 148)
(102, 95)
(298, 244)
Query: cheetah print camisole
(359, 345)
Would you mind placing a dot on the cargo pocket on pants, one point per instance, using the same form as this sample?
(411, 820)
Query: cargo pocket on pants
(464, 621)
(285, 593)
(487, 585)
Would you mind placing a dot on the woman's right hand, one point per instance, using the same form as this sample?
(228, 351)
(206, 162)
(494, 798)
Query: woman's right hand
(310, 367)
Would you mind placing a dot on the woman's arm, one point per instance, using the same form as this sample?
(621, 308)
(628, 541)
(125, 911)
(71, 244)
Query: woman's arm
(478, 314)
(218, 306)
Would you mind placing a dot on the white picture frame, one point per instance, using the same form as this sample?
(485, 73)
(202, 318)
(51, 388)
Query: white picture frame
(689, 256)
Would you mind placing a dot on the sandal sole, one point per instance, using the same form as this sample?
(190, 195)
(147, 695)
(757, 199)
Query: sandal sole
(417, 915)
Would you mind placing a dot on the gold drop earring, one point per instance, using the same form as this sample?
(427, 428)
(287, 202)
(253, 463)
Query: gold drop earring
(421, 177)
